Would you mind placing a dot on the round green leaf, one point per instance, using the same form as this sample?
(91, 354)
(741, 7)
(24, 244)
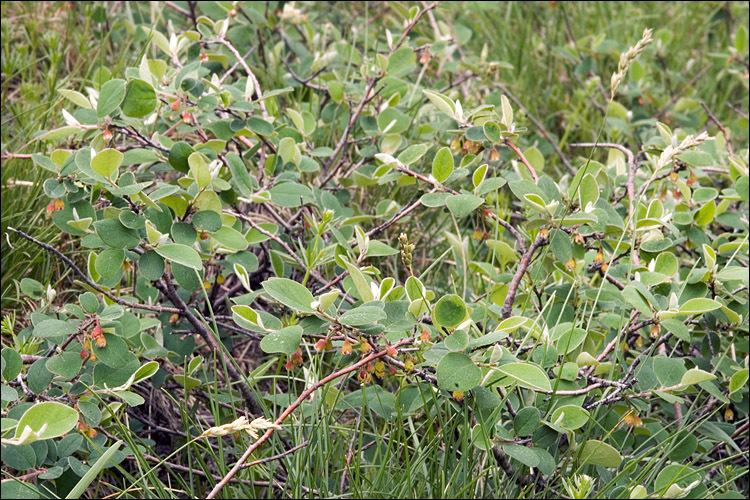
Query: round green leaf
(178, 156)
(151, 265)
(527, 375)
(457, 341)
(290, 293)
(570, 417)
(109, 262)
(207, 220)
(457, 372)
(526, 421)
(140, 99)
(285, 340)
(450, 311)
(110, 97)
(599, 453)
(106, 162)
(58, 419)
(181, 254)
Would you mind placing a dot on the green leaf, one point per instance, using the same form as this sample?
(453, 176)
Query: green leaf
(401, 59)
(291, 194)
(286, 340)
(361, 283)
(412, 154)
(363, 315)
(290, 293)
(54, 328)
(738, 380)
(11, 365)
(182, 254)
(492, 132)
(230, 238)
(696, 376)
(596, 452)
(140, 99)
(107, 162)
(110, 97)
(527, 375)
(457, 341)
(56, 419)
(199, 170)
(75, 97)
(151, 265)
(109, 262)
(699, 306)
(114, 234)
(443, 103)
(67, 364)
(457, 372)
(450, 311)
(260, 126)
(570, 417)
(588, 191)
(526, 421)
(523, 454)
(442, 165)
(178, 156)
(462, 205)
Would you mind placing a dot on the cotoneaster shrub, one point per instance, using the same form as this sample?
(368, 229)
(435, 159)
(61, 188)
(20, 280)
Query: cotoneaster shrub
(337, 222)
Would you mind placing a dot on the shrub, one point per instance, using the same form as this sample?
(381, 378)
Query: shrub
(330, 229)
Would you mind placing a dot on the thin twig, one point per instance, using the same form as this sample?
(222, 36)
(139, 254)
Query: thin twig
(276, 457)
(85, 278)
(539, 126)
(305, 394)
(507, 309)
(721, 127)
(523, 159)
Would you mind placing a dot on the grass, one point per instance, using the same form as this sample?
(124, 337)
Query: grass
(428, 449)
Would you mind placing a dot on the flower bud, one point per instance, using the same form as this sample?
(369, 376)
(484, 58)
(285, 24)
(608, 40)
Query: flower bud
(655, 330)
(571, 264)
(320, 345)
(106, 135)
(174, 105)
(84, 354)
(97, 331)
(425, 336)
(477, 236)
(204, 57)
(391, 350)
(408, 365)
(494, 155)
(346, 348)
(101, 342)
(458, 395)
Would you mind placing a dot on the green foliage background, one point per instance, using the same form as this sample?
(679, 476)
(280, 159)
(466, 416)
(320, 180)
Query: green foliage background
(668, 321)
